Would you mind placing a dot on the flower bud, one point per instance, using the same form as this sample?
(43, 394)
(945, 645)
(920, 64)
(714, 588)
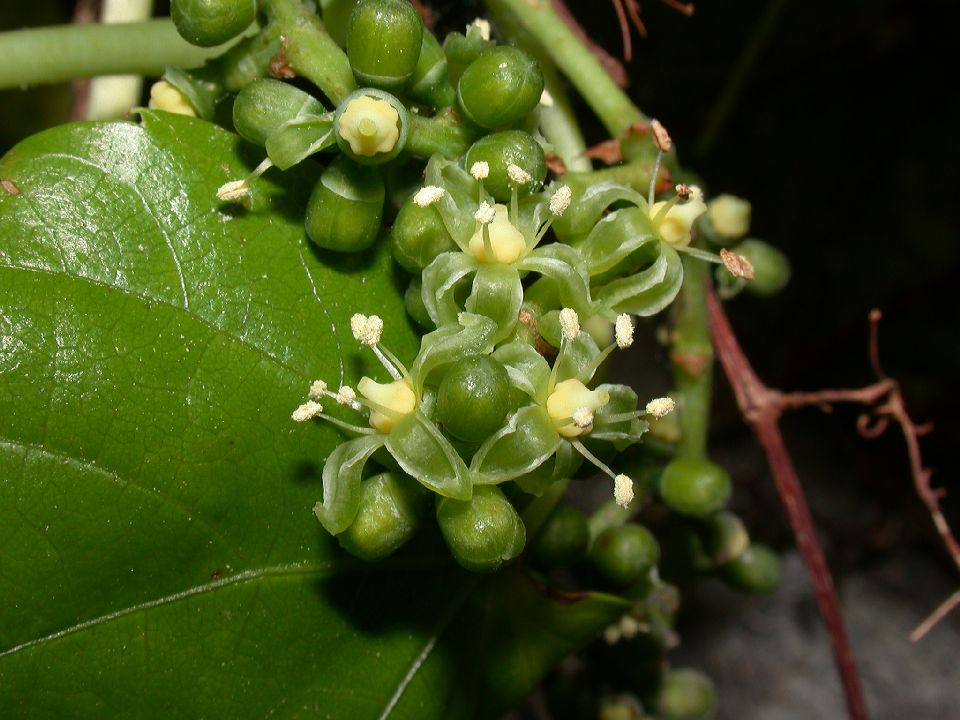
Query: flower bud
(686, 695)
(500, 87)
(563, 538)
(263, 106)
(383, 42)
(500, 151)
(483, 532)
(211, 22)
(418, 236)
(757, 570)
(694, 487)
(473, 398)
(724, 537)
(729, 217)
(371, 126)
(345, 208)
(771, 268)
(624, 553)
(390, 506)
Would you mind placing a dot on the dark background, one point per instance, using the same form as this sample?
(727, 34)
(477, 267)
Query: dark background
(843, 136)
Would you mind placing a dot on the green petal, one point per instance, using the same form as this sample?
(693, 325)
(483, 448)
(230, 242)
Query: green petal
(529, 441)
(625, 432)
(527, 369)
(470, 336)
(497, 294)
(615, 238)
(646, 292)
(562, 465)
(440, 279)
(588, 208)
(298, 139)
(424, 453)
(341, 482)
(567, 269)
(462, 194)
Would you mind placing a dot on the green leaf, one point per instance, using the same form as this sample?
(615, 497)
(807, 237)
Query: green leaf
(159, 554)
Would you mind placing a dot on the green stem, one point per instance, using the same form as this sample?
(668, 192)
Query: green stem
(692, 356)
(311, 52)
(608, 101)
(68, 52)
(440, 134)
(539, 509)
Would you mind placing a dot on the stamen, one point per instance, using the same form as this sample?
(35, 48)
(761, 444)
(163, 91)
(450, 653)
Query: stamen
(480, 170)
(661, 138)
(660, 407)
(428, 195)
(308, 411)
(518, 175)
(546, 99)
(582, 417)
(569, 324)
(345, 425)
(580, 448)
(482, 26)
(622, 490)
(560, 200)
(346, 396)
(317, 390)
(366, 329)
(485, 213)
(623, 330)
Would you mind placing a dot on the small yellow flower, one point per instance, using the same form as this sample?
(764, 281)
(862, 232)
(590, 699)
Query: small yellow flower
(164, 96)
(569, 398)
(369, 125)
(397, 398)
(507, 243)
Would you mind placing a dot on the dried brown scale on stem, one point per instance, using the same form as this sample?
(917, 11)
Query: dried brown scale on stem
(761, 407)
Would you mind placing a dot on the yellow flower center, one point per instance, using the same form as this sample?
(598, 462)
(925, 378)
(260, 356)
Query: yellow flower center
(369, 125)
(164, 96)
(396, 398)
(506, 242)
(674, 227)
(568, 397)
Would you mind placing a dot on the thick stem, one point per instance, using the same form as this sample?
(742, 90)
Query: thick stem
(575, 60)
(67, 52)
(692, 356)
(310, 51)
(441, 134)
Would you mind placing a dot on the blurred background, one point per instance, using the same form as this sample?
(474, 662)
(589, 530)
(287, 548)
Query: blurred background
(837, 121)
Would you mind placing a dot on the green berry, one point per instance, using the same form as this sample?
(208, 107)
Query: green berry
(757, 570)
(694, 487)
(484, 532)
(388, 516)
(383, 42)
(625, 553)
(473, 398)
(771, 267)
(212, 22)
(511, 147)
(264, 105)
(687, 695)
(371, 126)
(724, 537)
(500, 87)
(563, 538)
(345, 208)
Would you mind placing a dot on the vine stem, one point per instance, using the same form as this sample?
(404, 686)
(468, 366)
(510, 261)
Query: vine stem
(67, 52)
(575, 60)
(760, 406)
